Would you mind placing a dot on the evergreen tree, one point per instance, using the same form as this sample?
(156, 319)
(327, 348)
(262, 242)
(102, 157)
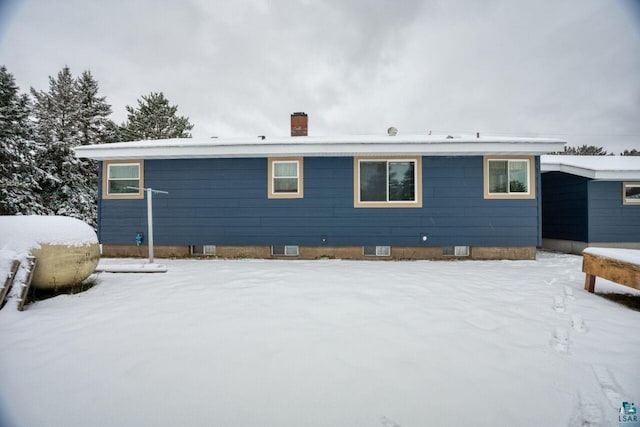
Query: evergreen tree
(69, 114)
(584, 150)
(94, 124)
(56, 130)
(19, 173)
(113, 132)
(155, 118)
(94, 127)
(632, 152)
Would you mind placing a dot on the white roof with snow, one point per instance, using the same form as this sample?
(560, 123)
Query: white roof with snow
(319, 146)
(615, 168)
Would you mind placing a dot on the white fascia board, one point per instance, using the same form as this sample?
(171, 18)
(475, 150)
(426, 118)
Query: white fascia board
(178, 150)
(605, 175)
(573, 170)
(618, 175)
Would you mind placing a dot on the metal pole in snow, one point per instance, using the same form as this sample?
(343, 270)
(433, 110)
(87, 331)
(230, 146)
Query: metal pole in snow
(150, 223)
(150, 192)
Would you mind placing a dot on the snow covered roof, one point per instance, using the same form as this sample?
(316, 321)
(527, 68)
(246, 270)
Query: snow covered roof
(615, 168)
(318, 146)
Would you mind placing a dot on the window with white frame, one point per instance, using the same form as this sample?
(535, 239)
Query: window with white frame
(376, 250)
(387, 182)
(285, 250)
(631, 193)
(203, 249)
(123, 179)
(455, 250)
(285, 178)
(509, 178)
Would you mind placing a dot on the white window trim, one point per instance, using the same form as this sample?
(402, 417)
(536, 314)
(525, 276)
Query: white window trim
(625, 201)
(105, 179)
(271, 178)
(531, 177)
(417, 171)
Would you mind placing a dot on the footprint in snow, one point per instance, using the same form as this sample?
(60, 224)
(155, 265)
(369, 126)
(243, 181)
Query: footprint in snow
(608, 385)
(551, 282)
(560, 340)
(568, 292)
(591, 415)
(558, 304)
(587, 413)
(577, 323)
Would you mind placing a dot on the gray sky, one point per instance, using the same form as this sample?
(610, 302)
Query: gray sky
(560, 68)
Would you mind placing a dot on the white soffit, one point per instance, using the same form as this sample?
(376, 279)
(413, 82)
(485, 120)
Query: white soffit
(612, 168)
(318, 146)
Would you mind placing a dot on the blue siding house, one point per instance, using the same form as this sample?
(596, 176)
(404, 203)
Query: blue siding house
(590, 201)
(383, 196)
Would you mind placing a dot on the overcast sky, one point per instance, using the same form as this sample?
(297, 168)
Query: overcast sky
(559, 68)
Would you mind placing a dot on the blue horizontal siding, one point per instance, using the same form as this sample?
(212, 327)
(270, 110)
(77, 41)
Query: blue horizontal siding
(609, 219)
(564, 206)
(224, 202)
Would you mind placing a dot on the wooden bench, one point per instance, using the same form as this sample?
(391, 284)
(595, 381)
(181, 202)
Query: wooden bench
(619, 271)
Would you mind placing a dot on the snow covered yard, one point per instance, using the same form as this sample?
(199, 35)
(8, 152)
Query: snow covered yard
(324, 343)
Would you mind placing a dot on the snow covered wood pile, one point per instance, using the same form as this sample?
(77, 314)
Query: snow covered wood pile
(617, 265)
(66, 248)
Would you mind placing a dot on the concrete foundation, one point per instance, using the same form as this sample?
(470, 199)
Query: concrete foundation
(576, 247)
(317, 252)
(142, 251)
(510, 252)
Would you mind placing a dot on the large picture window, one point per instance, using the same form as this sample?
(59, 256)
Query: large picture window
(387, 182)
(631, 193)
(512, 178)
(285, 178)
(122, 179)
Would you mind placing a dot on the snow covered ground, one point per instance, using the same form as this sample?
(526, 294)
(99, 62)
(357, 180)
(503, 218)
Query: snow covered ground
(324, 343)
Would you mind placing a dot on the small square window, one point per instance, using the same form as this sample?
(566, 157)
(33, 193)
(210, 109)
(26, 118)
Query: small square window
(285, 178)
(631, 193)
(122, 179)
(509, 178)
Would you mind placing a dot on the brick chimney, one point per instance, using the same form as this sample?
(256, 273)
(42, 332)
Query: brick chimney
(299, 124)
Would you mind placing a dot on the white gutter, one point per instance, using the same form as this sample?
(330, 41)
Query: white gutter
(318, 146)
